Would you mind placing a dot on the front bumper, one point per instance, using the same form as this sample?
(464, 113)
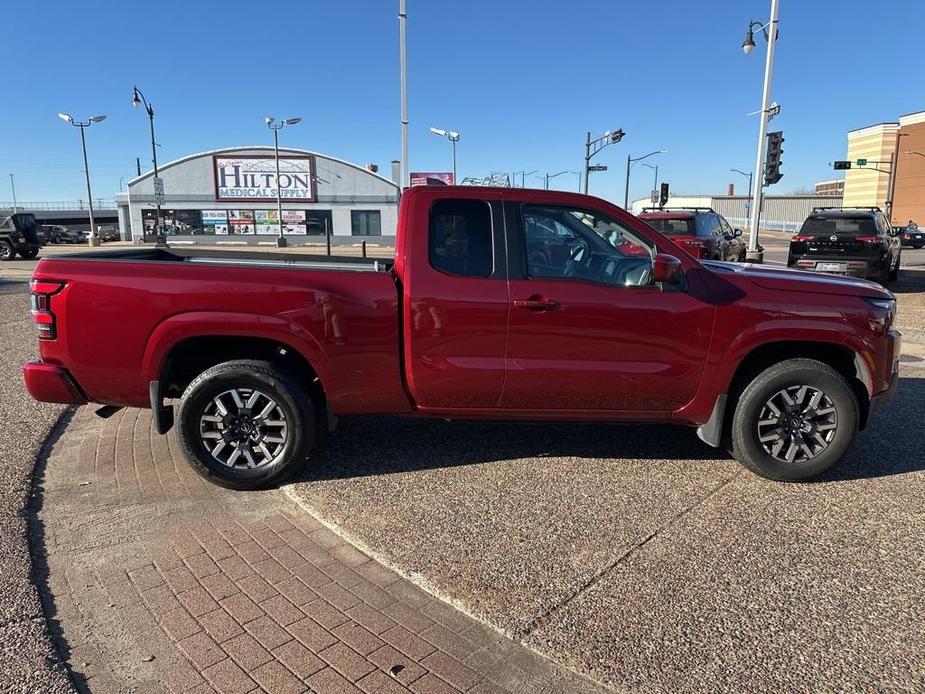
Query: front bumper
(885, 396)
(50, 383)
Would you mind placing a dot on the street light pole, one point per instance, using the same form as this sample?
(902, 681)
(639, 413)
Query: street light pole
(13, 189)
(592, 147)
(754, 254)
(137, 99)
(83, 125)
(276, 127)
(749, 177)
(655, 169)
(403, 61)
(630, 162)
(453, 137)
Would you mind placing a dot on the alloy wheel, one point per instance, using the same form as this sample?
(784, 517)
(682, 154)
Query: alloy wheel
(244, 428)
(797, 423)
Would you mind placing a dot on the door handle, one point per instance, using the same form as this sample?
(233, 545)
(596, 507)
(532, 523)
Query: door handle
(537, 303)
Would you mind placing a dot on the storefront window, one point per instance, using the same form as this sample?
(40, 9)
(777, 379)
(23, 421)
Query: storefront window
(366, 223)
(320, 222)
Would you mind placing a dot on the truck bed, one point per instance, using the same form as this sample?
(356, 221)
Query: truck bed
(122, 314)
(217, 256)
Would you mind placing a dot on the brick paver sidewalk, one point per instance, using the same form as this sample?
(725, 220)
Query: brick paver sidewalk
(160, 580)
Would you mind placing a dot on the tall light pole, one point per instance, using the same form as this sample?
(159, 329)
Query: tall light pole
(655, 169)
(770, 33)
(549, 176)
(592, 147)
(137, 100)
(276, 127)
(453, 137)
(630, 163)
(403, 66)
(83, 125)
(13, 190)
(748, 211)
(523, 176)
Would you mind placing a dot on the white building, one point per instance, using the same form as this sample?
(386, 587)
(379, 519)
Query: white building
(230, 195)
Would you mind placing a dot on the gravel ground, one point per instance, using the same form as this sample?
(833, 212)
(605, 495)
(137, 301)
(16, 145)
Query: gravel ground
(28, 663)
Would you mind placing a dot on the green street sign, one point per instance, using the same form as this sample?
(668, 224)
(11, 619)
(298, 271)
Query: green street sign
(862, 162)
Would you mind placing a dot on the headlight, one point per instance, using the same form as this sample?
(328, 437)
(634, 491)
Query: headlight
(883, 304)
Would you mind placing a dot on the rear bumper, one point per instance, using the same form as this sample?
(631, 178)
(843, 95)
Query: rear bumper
(50, 383)
(848, 267)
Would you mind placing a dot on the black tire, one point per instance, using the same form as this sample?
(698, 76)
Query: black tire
(55, 239)
(7, 252)
(30, 254)
(894, 271)
(273, 383)
(765, 388)
(917, 247)
(885, 274)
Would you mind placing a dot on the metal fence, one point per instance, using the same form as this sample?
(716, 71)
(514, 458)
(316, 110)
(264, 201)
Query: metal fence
(54, 205)
(779, 212)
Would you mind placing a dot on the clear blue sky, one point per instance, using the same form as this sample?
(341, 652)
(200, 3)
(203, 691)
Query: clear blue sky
(521, 80)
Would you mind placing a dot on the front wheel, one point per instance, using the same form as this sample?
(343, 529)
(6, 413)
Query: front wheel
(794, 421)
(246, 424)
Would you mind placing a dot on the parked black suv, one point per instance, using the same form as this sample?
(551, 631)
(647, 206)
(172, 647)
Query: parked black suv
(856, 241)
(19, 233)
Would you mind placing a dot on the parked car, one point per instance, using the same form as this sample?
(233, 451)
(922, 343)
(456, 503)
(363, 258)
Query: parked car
(910, 235)
(699, 230)
(267, 350)
(19, 233)
(854, 241)
(108, 233)
(57, 233)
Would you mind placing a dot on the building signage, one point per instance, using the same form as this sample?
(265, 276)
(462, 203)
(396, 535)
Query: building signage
(215, 222)
(253, 177)
(431, 178)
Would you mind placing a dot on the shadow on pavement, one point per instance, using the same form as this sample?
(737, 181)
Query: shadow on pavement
(364, 446)
(891, 444)
(909, 282)
(38, 549)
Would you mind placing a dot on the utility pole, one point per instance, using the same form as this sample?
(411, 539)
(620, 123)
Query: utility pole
(894, 156)
(138, 166)
(592, 147)
(403, 59)
(13, 189)
(753, 254)
(587, 158)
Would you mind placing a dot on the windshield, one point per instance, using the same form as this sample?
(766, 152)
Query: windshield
(840, 226)
(673, 227)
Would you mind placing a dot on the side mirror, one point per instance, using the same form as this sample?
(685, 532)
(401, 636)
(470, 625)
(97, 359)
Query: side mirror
(666, 269)
(736, 233)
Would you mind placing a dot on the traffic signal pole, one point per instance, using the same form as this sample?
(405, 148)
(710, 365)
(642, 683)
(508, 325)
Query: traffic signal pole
(753, 254)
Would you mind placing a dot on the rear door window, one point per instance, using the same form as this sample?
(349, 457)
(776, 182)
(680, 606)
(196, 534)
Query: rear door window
(460, 237)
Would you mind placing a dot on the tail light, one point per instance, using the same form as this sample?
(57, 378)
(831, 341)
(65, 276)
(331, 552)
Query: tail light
(695, 246)
(806, 263)
(42, 315)
(867, 239)
(908, 236)
(802, 237)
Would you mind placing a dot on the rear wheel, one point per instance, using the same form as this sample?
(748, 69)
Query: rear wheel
(794, 421)
(894, 271)
(246, 424)
(7, 252)
(30, 254)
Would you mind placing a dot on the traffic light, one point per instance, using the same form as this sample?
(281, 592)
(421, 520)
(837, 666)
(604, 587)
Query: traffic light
(772, 162)
(663, 195)
(839, 165)
(617, 135)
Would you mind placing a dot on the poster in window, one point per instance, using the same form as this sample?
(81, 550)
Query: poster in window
(266, 222)
(294, 222)
(215, 222)
(241, 221)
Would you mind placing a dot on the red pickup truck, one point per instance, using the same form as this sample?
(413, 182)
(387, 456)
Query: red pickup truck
(499, 304)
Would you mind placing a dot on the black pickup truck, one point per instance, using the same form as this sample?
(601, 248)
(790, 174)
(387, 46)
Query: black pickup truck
(19, 233)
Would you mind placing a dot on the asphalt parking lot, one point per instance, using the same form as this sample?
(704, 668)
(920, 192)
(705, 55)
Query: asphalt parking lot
(642, 557)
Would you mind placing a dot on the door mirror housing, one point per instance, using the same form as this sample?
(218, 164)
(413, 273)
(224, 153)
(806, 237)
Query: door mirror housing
(666, 269)
(736, 233)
